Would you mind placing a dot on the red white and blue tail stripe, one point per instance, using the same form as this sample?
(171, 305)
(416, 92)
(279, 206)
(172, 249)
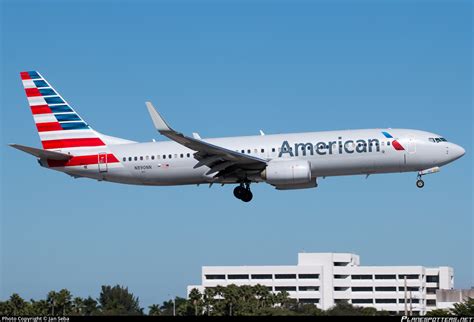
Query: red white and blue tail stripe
(60, 128)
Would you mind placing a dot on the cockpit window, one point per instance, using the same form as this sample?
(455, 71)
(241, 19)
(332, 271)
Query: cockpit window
(437, 140)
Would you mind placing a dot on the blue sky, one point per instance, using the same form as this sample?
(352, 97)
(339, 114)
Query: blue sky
(225, 69)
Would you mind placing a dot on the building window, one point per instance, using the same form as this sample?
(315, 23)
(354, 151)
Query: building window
(362, 289)
(339, 277)
(386, 301)
(361, 277)
(238, 277)
(285, 276)
(261, 276)
(362, 301)
(408, 300)
(215, 277)
(432, 279)
(430, 302)
(431, 290)
(308, 288)
(309, 301)
(385, 277)
(409, 277)
(285, 288)
(308, 276)
(386, 289)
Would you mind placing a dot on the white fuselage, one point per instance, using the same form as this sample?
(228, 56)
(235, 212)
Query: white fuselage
(331, 153)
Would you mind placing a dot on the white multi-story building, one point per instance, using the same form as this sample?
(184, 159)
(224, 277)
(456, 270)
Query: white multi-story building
(324, 279)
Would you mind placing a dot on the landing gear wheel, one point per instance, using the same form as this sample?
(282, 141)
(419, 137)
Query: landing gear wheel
(239, 192)
(247, 196)
(420, 183)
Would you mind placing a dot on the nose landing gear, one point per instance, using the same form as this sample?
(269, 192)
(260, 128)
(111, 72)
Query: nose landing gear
(243, 192)
(420, 183)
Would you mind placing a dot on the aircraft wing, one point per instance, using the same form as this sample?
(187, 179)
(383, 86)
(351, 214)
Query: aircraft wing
(224, 162)
(42, 154)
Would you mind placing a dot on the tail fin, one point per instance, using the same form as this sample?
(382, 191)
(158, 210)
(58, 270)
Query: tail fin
(59, 126)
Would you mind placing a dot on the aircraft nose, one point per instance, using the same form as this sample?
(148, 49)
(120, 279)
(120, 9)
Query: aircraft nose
(456, 151)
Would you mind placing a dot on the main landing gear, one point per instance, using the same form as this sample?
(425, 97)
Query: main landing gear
(243, 192)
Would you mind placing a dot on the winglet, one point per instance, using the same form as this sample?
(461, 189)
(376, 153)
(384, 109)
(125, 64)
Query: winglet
(158, 121)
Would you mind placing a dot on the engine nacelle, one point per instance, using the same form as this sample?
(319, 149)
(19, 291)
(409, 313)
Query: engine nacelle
(285, 173)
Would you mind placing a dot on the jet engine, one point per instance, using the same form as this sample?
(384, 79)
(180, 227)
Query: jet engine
(294, 174)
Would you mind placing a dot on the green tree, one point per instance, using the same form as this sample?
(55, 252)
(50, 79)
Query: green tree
(154, 310)
(438, 312)
(39, 308)
(465, 308)
(118, 300)
(90, 307)
(18, 306)
(77, 306)
(195, 303)
(344, 309)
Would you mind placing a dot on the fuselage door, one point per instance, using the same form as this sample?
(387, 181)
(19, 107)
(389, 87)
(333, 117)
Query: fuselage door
(411, 145)
(102, 161)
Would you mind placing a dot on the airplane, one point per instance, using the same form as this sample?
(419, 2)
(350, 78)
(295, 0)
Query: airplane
(285, 161)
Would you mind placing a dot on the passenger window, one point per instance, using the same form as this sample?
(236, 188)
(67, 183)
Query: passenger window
(388, 143)
(124, 159)
(181, 155)
(141, 158)
(170, 156)
(129, 158)
(262, 150)
(164, 156)
(255, 150)
(249, 151)
(136, 158)
(175, 156)
(147, 157)
(243, 151)
(273, 149)
(189, 155)
(158, 157)
(153, 157)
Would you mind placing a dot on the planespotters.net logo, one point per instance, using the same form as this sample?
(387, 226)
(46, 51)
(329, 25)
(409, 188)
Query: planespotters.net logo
(437, 319)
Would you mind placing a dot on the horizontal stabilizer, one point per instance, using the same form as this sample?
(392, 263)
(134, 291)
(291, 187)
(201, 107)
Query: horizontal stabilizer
(42, 154)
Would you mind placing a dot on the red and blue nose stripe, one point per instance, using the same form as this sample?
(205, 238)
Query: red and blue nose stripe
(395, 143)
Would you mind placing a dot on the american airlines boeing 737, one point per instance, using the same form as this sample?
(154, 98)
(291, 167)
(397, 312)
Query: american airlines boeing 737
(285, 161)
